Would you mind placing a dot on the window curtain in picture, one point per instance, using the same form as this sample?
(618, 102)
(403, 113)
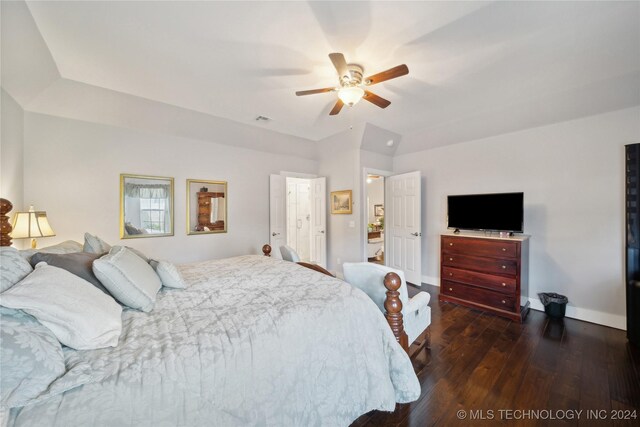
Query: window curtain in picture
(217, 209)
(153, 206)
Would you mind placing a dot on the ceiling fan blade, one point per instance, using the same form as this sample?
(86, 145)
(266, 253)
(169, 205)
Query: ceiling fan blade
(314, 91)
(376, 100)
(341, 65)
(391, 73)
(336, 108)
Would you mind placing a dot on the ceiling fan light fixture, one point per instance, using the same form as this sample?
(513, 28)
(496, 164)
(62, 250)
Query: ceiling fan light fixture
(350, 95)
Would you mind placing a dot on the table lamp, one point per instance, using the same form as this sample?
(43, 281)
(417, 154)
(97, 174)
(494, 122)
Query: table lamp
(31, 224)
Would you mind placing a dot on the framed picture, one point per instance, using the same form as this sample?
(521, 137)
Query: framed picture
(341, 202)
(206, 206)
(378, 210)
(146, 206)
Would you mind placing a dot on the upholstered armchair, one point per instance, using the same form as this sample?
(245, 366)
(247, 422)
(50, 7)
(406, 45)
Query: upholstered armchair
(289, 254)
(416, 313)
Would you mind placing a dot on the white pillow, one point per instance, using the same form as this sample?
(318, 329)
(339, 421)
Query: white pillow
(128, 278)
(66, 247)
(169, 274)
(135, 251)
(95, 245)
(78, 314)
(13, 267)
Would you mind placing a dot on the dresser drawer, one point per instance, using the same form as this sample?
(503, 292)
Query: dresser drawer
(480, 247)
(502, 284)
(478, 295)
(507, 267)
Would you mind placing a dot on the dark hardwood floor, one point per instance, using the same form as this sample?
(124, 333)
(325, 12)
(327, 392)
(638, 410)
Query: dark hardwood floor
(500, 370)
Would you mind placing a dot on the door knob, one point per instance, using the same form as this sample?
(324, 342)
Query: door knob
(322, 231)
(416, 234)
(275, 234)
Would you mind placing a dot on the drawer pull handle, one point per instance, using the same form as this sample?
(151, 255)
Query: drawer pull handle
(504, 266)
(504, 302)
(504, 284)
(450, 274)
(450, 259)
(504, 249)
(451, 289)
(450, 244)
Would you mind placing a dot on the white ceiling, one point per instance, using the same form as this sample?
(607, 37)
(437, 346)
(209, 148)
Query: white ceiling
(490, 64)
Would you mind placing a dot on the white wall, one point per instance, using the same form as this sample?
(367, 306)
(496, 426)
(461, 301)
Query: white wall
(73, 173)
(11, 152)
(340, 163)
(572, 176)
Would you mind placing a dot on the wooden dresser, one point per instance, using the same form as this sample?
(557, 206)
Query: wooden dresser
(204, 211)
(490, 274)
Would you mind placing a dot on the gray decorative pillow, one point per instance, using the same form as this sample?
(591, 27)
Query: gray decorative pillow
(95, 245)
(31, 357)
(13, 267)
(78, 263)
(131, 229)
(128, 278)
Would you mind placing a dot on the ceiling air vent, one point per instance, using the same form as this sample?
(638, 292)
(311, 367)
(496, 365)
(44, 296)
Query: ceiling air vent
(262, 119)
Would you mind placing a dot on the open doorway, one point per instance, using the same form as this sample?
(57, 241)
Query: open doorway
(393, 221)
(375, 219)
(297, 216)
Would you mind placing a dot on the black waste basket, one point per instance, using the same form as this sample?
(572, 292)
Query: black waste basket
(555, 305)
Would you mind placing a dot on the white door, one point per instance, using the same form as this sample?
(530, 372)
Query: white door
(277, 214)
(319, 221)
(402, 225)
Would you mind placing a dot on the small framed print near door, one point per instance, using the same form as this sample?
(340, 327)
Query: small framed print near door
(341, 202)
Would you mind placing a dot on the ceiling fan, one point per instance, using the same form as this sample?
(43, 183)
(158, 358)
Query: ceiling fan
(352, 85)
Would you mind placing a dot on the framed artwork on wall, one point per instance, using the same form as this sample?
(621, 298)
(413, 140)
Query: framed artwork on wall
(378, 210)
(146, 206)
(341, 202)
(206, 206)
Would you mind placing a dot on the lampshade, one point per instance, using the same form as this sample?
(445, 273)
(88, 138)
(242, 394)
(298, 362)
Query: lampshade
(351, 95)
(31, 224)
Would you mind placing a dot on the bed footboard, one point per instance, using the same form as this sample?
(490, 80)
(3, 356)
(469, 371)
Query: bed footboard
(392, 304)
(393, 307)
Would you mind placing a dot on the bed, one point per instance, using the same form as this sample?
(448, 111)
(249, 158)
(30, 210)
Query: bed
(252, 340)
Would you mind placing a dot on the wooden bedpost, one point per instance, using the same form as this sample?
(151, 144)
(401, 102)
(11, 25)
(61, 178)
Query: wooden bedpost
(5, 226)
(393, 307)
(266, 250)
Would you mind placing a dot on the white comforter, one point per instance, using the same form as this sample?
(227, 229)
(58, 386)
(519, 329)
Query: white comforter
(251, 341)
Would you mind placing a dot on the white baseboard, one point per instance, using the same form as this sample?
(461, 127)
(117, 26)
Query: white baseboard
(598, 317)
(429, 280)
(607, 319)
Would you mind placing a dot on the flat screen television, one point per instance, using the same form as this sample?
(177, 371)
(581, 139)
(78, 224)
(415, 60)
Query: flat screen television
(492, 212)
